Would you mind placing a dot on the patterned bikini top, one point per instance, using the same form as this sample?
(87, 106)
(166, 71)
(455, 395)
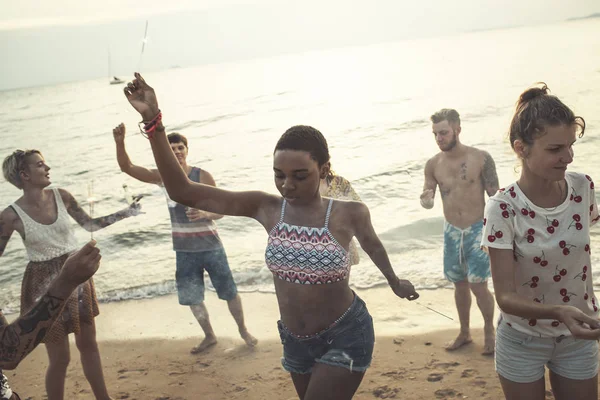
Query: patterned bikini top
(306, 255)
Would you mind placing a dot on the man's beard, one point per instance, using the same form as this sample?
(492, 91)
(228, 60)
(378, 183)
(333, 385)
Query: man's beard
(451, 145)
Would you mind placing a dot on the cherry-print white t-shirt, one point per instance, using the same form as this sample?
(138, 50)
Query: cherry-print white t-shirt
(551, 249)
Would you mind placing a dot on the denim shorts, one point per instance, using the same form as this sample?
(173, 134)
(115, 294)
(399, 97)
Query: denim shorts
(190, 276)
(348, 343)
(521, 357)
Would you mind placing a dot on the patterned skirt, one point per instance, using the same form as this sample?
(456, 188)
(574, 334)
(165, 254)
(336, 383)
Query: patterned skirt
(81, 307)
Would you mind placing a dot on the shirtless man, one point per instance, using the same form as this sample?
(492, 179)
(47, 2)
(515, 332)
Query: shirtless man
(463, 174)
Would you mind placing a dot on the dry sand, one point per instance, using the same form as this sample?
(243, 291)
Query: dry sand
(145, 351)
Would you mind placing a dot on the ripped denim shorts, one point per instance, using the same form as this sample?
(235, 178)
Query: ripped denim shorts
(348, 343)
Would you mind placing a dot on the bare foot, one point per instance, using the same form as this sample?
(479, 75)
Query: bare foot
(250, 340)
(207, 343)
(461, 340)
(489, 343)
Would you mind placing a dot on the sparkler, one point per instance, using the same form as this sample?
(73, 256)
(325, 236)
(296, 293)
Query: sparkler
(91, 199)
(128, 198)
(437, 312)
(144, 41)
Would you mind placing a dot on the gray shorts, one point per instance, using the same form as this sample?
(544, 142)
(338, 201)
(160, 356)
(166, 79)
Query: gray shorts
(190, 276)
(522, 358)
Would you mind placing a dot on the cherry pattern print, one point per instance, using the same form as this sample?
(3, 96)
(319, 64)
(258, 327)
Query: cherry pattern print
(527, 211)
(495, 234)
(567, 295)
(510, 191)
(576, 222)
(505, 210)
(551, 250)
(582, 274)
(533, 282)
(575, 197)
(591, 181)
(551, 225)
(566, 247)
(559, 273)
(529, 235)
(539, 300)
(541, 260)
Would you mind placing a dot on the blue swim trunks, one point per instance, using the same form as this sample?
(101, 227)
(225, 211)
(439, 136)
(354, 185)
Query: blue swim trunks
(463, 257)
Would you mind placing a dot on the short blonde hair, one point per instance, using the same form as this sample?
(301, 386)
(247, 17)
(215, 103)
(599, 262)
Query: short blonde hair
(14, 164)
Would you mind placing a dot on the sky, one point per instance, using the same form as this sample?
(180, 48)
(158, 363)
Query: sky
(45, 42)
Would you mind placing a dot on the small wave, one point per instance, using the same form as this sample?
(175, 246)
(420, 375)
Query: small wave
(203, 122)
(411, 125)
(139, 292)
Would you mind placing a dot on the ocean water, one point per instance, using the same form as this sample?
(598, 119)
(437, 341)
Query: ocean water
(372, 103)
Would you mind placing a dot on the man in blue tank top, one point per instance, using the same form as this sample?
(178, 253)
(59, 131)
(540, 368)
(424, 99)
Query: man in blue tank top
(196, 243)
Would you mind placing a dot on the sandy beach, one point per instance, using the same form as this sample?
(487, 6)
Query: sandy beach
(145, 350)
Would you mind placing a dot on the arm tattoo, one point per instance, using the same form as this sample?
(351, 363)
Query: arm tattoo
(18, 339)
(103, 222)
(89, 224)
(489, 177)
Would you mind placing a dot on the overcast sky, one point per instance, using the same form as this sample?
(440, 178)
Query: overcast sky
(44, 42)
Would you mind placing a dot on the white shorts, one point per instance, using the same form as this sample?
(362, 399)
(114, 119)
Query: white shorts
(521, 357)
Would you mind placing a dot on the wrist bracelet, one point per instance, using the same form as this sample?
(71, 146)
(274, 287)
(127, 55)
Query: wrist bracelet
(147, 128)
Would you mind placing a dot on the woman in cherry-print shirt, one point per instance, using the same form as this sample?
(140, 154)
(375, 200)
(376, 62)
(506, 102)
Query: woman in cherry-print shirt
(537, 232)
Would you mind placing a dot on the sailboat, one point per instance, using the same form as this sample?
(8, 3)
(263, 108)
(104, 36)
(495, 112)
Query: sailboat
(114, 80)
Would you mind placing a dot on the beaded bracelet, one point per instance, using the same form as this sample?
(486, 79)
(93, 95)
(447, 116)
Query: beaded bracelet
(147, 128)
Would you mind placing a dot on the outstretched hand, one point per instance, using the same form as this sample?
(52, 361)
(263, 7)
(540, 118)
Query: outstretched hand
(142, 97)
(135, 208)
(404, 289)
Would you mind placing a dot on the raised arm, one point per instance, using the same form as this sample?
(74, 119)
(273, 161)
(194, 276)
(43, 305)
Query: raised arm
(370, 243)
(89, 224)
(135, 171)
(429, 186)
(489, 177)
(251, 204)
(503, 273)
(18, 339)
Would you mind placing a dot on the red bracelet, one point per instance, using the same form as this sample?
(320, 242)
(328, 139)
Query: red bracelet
(147, 128)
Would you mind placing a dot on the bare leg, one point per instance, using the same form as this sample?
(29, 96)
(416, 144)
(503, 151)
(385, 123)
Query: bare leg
(235, 308)
(91, 361)
(210, 339)
(59, 357)
(462, 297)
(485, 302)
(334, 383)
(301, 382)
(565, 388)
(523, 391)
